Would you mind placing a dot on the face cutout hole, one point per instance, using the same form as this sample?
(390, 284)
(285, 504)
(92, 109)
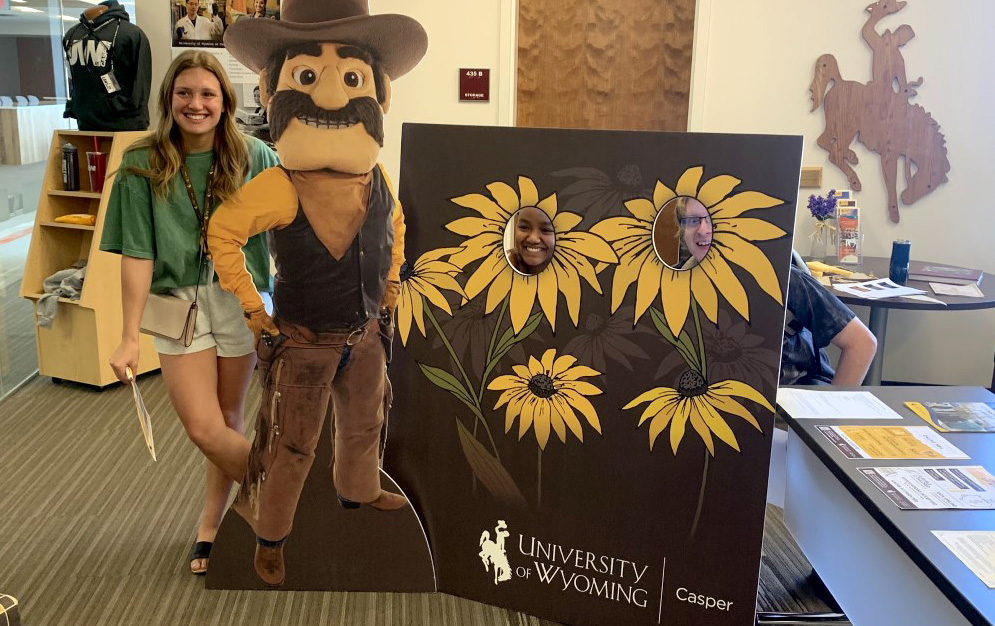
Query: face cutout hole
(682, 233)
(529, 241)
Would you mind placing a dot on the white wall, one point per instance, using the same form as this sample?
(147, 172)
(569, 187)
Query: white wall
(478, 34)
(753, 63)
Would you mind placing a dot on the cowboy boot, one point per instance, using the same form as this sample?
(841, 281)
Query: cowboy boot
(269, 562)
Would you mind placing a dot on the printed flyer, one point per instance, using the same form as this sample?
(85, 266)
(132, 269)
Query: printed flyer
(890, 442)
(939, 487)
(955, 417)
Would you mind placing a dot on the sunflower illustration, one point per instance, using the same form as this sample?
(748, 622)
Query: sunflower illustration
(732, 234)
(571, 256)
(423, 281)
(695, 402)
(548, 394)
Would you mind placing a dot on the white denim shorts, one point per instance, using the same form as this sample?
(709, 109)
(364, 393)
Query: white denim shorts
(220, 324)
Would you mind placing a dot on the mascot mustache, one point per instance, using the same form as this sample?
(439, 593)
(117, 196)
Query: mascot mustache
(290, 104)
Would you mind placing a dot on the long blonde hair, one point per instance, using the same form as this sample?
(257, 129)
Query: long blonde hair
(231, 151)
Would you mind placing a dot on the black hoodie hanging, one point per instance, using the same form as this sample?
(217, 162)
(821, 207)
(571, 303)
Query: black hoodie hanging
(110, 71)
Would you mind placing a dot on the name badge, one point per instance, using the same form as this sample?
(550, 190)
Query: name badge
(110, 82)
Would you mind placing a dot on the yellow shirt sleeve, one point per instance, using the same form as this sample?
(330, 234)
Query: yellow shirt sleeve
(398, 218)
(266, 202)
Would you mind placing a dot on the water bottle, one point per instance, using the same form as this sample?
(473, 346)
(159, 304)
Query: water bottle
(70, 167)
(898, 270)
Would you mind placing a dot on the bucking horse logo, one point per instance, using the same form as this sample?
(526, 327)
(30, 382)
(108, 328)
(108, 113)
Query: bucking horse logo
(492, 553)
(880, 115)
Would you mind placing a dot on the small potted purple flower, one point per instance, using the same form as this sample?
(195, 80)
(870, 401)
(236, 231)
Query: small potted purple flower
(823, 236)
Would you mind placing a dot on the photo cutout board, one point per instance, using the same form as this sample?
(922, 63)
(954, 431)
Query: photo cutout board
(585, 365)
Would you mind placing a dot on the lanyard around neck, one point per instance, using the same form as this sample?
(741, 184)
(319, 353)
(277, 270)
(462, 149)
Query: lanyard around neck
(205, 215)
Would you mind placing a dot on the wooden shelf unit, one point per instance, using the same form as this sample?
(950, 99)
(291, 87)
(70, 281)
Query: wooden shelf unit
(85, 332)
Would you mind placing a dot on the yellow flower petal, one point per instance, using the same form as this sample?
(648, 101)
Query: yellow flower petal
(580, 371)
(516, 403)
(579, 386)
(475, 248)
(435, 297)
(625, 274)
(741, 389)
(548, 204)
(565, 221)
(547, 359)
(505, 196)
(589, 245)
(547, 293)
(704, 294)
(718, 426)
(529, 193)
(716, 189)
(418, 313)
(567, 415)
(562, 366)
(678, 298)
(698, 424)
(642, 209)
(581, 265)
(687, 185)
(727, 283)
(523, 297)
(499, 289)
(541, 422)
(649, 396)
(583, 406)
(485, 273)
(615, 228)
(507, 381)
(662, 194)
(527, 416)
(736, 205)
(648, 284)
(523, 372)
(404, 313)
(663, 403)
(749, 228)
(679, 424)
(753, 260)
(535, 366)
(568, 283)
(729, 405)
(471, 226)
(556, 421)
(483, 205)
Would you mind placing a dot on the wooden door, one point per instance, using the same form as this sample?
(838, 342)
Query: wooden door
(609, 64)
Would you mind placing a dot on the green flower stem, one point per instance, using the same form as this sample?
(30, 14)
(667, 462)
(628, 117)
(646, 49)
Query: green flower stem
(452, 353)
(490, 351)
(539, 478)
(701, 495)
(701, 341)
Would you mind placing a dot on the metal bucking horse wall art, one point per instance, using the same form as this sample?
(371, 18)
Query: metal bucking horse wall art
(881, 116)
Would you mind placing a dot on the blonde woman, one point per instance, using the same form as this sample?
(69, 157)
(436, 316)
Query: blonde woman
(191, 162)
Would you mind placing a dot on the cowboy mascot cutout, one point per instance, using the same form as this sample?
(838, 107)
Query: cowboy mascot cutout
(337, 237)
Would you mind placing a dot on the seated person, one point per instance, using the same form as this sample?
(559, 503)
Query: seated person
(534, 241)
(815, 319)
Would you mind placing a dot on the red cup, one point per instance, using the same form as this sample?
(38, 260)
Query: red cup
(96, 167)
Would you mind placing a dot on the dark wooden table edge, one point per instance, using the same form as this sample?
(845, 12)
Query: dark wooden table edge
(971, 612)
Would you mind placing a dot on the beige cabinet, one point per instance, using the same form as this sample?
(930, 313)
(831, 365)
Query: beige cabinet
(85, 332)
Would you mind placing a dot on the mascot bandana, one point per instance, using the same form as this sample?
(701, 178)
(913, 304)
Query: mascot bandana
(337, 237)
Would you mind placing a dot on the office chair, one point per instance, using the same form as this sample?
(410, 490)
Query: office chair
(6, 101)
(32, 100)
(20, 101)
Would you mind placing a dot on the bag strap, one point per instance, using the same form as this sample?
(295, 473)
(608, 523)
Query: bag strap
(202, 216)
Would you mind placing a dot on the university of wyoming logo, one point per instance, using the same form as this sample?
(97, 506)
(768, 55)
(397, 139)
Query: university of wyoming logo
(493, 554)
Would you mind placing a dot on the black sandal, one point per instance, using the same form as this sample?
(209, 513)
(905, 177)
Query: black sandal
(200, 550)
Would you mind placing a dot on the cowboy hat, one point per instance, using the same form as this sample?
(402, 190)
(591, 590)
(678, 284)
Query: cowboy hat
(397, 41)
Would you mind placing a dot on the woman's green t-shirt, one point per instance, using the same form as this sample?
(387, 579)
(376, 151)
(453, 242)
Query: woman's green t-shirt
(133, 209)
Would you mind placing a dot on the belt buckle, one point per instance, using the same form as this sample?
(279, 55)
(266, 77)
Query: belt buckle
(355, 336)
